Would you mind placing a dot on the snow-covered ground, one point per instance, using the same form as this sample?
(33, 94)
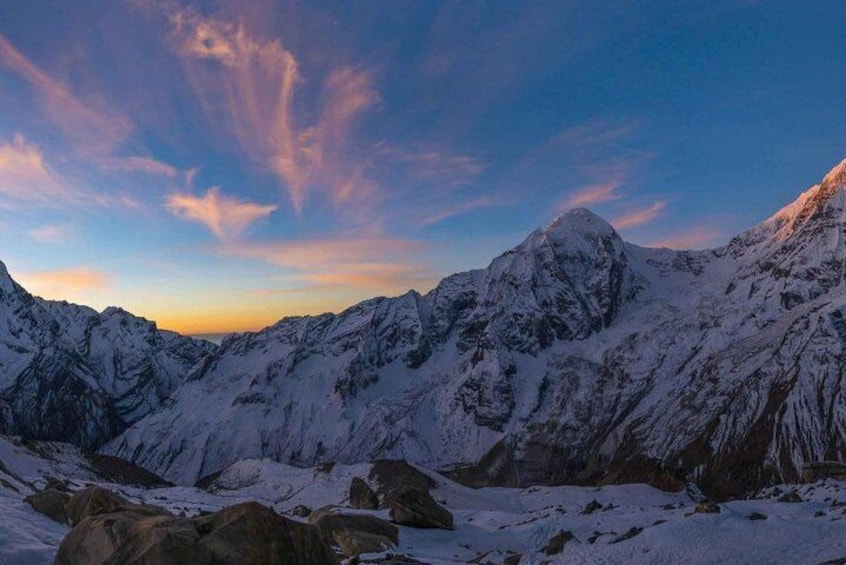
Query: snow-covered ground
(491, 523)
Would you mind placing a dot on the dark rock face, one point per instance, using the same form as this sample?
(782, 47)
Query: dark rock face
(418, 509)
(72, 374)
(52, 503)
(91, 501)
(362, 496)
(247, 533)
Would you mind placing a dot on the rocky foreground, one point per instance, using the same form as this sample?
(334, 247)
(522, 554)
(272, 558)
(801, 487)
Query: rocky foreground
(58, 506)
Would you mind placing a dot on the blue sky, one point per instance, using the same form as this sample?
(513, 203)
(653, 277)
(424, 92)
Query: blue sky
(216, 166)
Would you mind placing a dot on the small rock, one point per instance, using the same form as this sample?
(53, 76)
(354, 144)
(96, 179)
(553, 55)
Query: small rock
(819, 514)
(301, 511)
(791, 497)
(707, 508)
(557, 543)
(513, 559)
(756, 516)
(51, 503)
(56, 484)
(419, 510)
(592, 507)
(362, 496)
(353, 542)
(628, 535)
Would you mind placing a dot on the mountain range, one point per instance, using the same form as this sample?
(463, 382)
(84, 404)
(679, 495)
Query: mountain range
(575, 357)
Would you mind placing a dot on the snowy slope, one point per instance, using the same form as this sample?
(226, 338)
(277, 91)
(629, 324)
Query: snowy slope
(70, 373)
(491, 523)
(573, 357)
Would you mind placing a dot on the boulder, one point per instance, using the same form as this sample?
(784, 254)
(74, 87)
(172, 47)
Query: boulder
(248, 533)
(419, 510)
(353, 542)
(392, 477)
(57, 484)
(51, 503)
(301, 511)
(91, 501)
(362, 496)
(557, 543)
(329, 520)
(592, 507)
(791, 497)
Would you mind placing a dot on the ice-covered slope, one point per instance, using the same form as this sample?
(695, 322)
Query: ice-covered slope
(573, 357)
(69, 373)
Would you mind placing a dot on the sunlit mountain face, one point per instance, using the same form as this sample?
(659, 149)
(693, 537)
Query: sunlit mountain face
(216, 166)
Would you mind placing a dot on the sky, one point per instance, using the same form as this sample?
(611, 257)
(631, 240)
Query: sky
(216, 166)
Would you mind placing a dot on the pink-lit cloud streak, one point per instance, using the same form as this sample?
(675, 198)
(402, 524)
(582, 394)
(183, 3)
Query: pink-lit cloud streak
(224, 216)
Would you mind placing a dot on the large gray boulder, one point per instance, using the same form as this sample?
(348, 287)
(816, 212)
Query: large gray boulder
(329, 520)
(419, 510)
(362, 497)
(394, 476)
(91, 501)
(243, 534)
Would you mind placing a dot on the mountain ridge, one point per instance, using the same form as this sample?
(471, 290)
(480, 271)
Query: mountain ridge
(574, 357)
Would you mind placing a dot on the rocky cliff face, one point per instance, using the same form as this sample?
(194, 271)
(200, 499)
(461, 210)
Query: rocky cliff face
(69, 373)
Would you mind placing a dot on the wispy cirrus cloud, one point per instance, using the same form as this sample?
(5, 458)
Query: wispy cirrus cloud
(51, 233)
(463, 208)
(435, 166)
(26, 178)
(64, 283)
(370, 263)
(92, 130)
(135, 164)
(639, 217)
(224, 216)
(695, 238)
(593, 194)
(254, 81)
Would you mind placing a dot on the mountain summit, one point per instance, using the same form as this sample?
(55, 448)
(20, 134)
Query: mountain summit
(573, 357)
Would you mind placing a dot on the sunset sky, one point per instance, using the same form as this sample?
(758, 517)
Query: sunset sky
(217, 166)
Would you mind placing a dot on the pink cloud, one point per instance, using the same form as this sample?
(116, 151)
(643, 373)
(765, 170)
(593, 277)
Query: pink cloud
(144, 165)
(226, 217)
(638, 217)
(25, 176)
(593, 194)
(95, 130)
(256, 80)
